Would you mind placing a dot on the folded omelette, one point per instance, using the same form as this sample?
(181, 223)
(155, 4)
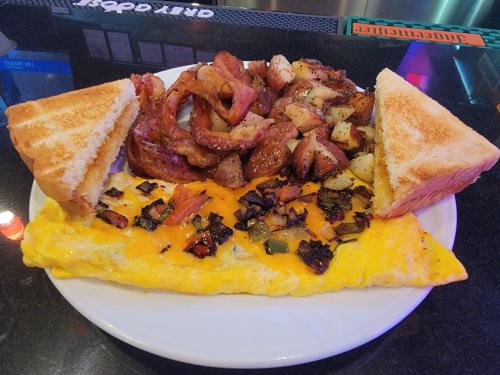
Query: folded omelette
(393, 252)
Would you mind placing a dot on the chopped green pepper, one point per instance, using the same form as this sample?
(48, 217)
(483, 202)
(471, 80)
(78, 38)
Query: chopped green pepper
(258, 231)
(274, 246)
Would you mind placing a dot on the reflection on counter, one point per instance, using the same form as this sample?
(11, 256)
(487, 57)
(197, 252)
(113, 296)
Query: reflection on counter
(28, 75)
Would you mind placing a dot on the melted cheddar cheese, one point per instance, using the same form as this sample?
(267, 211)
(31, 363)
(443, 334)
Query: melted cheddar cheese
(391, 252)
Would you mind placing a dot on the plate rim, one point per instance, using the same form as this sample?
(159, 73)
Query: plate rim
(323, 352)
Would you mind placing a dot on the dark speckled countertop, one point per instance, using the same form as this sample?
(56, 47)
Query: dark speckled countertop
(456, 330)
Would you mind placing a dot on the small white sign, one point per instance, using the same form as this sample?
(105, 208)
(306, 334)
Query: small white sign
(121, 7)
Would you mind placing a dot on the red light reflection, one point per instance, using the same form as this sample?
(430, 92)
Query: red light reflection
(11, 226)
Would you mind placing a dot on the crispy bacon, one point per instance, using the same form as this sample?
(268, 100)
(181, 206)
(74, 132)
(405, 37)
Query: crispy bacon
(149, 88)
(149, 156)
(231, 69)
(180, 140)
(113, 218)
(241, 137)
(208, 73)
(186, 203)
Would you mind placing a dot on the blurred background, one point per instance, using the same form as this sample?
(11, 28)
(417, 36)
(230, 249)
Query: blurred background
(479, 13)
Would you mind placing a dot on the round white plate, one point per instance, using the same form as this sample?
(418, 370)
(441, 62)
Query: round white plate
(245, 331)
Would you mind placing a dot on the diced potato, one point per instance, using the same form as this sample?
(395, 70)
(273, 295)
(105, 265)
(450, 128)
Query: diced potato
(368, 133)
(304, 116)
(319, 96)
(302, 70)
(363, 107)
(346, 136)
(335, 114)
(218, 124)
(292, 143)
(340, 181)
(362, 166)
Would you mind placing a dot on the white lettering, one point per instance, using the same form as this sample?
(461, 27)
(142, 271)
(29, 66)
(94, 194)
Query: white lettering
(190, 12)
(109, 5)
(205, 13)
(143, 8)
(176, 11)
(162, 10)
(95, 3)
(82, 3)
(124, 6)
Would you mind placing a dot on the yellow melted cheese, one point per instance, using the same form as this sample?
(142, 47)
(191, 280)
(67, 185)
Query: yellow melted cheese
(390, 253)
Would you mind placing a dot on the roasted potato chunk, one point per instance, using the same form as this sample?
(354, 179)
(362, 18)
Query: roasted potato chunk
(304, 116)
(346, 136)
(335, 114)
(368, 133)
(321, 96)
(362, 102)
(362, 166)
(340, 181)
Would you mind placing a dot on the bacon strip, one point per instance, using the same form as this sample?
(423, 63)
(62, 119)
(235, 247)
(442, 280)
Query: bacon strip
(246, 135)
(149, 88)
(149, 157)
(180, 140)
(186, 202)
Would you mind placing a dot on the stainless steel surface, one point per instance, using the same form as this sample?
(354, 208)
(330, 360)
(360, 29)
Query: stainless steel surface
(465, 12)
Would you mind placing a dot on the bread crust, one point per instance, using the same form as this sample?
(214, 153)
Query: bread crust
(428, 153)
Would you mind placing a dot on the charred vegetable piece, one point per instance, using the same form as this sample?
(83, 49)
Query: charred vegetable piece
(347, 228)
(147, 187)
(274, 246)
(220, 233)
(247, 213)
(197, 222)
(258, 231)
(102, 204)
(295, 219)
(114, 192)
(145, 222)
(253, 198)
(153, 214)
(271, 184)
(113, 218)
(363, 191)
(201, 245)
(362, 219)
(334, 203)
(316, 255)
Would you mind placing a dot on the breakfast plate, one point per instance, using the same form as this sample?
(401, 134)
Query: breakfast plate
(247, 331)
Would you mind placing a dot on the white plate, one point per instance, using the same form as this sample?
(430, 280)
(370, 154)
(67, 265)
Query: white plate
(245, 331)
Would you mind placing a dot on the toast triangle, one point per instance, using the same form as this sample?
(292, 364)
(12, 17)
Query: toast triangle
(423, 152)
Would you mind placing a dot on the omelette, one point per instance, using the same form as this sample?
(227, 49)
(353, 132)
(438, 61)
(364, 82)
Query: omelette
(389, 252)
